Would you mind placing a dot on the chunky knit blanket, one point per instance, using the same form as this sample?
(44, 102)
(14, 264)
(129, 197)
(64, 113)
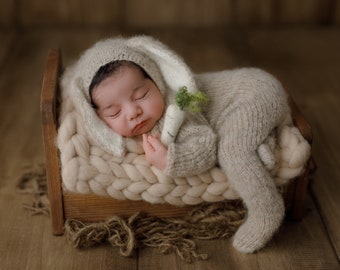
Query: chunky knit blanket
(87, 168)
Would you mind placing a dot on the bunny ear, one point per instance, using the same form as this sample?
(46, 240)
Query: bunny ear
(175, 72)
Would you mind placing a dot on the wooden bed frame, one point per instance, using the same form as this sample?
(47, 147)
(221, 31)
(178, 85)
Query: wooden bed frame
(94, 208)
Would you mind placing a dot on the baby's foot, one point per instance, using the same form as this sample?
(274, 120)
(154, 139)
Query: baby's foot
(258, 228)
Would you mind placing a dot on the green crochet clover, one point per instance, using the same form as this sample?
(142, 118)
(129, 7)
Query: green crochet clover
(193, 101)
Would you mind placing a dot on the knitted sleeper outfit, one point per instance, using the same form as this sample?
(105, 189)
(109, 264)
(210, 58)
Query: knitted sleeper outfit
(245, 106)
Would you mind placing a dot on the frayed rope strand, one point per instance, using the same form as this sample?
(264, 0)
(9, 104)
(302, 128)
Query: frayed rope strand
(219, 220)
(33, 182)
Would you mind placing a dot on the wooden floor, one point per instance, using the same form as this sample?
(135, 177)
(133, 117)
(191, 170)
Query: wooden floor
(307, 61)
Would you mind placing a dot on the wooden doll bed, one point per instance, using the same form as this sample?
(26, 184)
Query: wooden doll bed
(94, 208)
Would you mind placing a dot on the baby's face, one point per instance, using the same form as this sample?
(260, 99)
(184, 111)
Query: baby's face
(128, 102)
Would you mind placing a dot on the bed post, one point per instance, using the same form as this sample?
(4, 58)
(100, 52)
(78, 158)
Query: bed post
(298, 188)
(48, 109)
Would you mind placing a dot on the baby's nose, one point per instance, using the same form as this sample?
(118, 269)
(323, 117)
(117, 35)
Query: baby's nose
(134, 111)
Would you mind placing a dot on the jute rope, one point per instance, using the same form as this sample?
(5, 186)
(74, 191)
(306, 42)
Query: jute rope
(207, 221)
(87, 168)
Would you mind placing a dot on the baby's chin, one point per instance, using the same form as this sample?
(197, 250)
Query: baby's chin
(143, 128)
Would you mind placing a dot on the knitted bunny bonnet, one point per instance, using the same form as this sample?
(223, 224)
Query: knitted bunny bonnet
(165, 67)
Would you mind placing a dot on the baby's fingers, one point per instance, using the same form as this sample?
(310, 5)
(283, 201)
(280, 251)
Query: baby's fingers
(147, 146)
(154, 141)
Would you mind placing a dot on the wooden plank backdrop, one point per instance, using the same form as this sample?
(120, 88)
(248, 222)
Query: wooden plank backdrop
(164, 13)
(306, 61)
(210, 35)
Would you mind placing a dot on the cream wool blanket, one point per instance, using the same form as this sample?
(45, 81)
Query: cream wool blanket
(87, 168)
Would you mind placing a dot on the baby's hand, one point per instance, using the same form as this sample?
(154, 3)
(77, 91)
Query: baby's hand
(155, 151)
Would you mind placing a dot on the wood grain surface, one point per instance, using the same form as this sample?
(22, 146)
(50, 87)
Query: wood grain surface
(306, 60)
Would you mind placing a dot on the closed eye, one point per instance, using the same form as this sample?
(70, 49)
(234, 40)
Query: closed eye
(114, 115)
(143, 96)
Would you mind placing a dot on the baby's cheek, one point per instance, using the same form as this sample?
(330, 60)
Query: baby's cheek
(111, 124)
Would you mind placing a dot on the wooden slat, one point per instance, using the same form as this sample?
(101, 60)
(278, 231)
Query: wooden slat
(69, 13)
(94, 208)
(303, 11)
(253, 12)
(176, 13)
(6, 14)
(49, 126)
